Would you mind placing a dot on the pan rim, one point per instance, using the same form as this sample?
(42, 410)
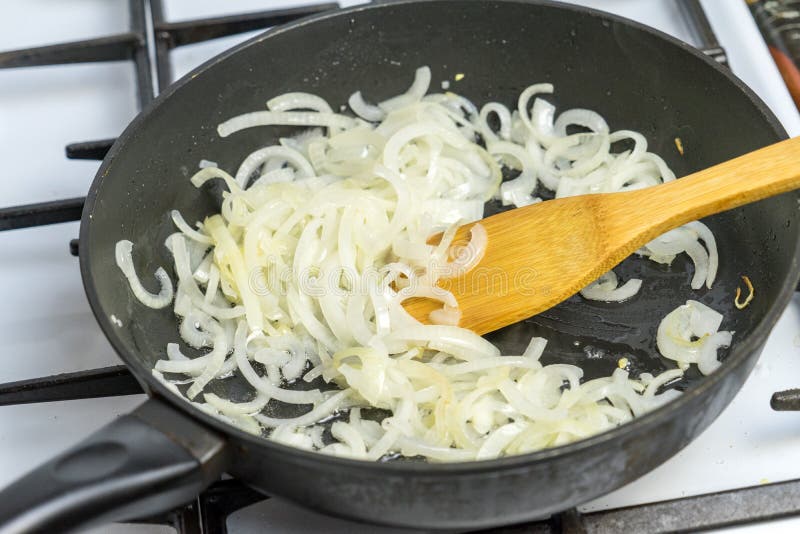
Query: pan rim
(739, 352)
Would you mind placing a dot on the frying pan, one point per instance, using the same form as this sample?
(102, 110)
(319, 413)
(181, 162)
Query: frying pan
(167, 450)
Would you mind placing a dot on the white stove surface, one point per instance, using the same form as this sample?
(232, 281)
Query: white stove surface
(47, 326)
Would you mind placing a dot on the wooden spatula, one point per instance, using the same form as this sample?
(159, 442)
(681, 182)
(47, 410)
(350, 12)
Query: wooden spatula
(540, 255)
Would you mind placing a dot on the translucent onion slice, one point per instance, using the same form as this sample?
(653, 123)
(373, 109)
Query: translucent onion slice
(214, 361)
(445, 316)
(580, 117)
(209, 173)
(284, 118)
(259, 157)
(237, 408)
(499, 439)
(540, 123)
(607, 288)
(322, 410)
(422, 80)
(124, 258)
(467, 257)
(689, 334)
(187, 230)
(366, 111)
(298, 100)
(503, 116)
(705, 234)
(662, 380)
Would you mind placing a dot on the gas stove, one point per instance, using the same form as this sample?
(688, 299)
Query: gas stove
(60, 379)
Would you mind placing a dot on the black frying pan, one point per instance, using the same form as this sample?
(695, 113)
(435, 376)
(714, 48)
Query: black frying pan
(168, 450)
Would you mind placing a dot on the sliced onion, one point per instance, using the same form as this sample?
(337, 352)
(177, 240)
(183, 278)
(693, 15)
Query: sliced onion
(607, 289)
(707, 237)
(283, 118)
(540, 122)
(215, 360)
(469, 256)
(535, 348)
(499, 440)
(237, 408)
(663, 379)
(290, 101)
(580, 117)
(362, 109)
(686, 239)
(124, 257)
(689, 334)
(190, 232)
(445, 316)
(265, 386)
(259, 157)
(322, 410)
(707, 362)
(503, 115)
(461, 343)
(309, 267)
(209, 173)
(422, 80)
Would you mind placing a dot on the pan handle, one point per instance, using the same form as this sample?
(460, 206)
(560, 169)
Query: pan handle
(143, 463)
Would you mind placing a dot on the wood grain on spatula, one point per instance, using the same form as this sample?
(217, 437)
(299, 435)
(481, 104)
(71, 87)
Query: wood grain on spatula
(540, 255)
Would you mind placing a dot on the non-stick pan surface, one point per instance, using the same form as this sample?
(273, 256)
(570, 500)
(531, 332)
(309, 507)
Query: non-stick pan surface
(635, 77)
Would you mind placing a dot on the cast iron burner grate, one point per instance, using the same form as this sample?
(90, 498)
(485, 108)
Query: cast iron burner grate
(132, 45)
(209, 512)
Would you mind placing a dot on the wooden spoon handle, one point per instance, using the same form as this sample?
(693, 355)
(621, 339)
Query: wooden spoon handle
(764, 173)
(539, 255)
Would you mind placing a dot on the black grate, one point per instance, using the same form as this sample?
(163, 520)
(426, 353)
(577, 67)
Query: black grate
(134, 46)
(700, 28)
(208, 513)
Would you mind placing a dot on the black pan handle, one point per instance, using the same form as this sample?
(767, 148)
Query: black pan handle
(146, 462)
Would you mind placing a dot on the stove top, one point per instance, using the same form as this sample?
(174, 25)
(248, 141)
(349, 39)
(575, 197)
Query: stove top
(48, 328)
